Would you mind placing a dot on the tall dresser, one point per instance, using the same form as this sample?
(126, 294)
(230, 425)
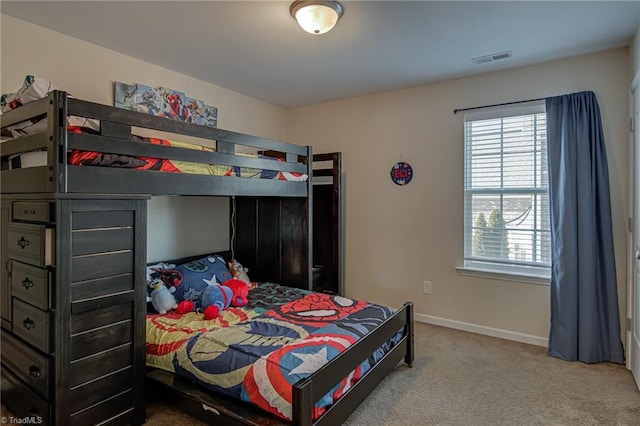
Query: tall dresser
(72, 308)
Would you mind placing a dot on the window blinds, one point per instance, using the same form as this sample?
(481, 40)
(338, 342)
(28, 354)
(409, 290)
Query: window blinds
(506, 190)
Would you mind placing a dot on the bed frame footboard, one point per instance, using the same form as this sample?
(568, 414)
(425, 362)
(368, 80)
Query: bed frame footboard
(307, 391)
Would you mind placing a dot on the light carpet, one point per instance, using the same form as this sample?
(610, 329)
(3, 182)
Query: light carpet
(461, 378)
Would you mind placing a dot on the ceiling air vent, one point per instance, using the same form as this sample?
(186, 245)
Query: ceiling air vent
(490, 58)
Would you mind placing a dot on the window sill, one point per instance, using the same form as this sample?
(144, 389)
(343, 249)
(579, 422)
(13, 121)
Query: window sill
(504, 276)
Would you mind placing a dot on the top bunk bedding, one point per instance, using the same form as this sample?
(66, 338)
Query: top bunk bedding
(103, 159)
(98, 152)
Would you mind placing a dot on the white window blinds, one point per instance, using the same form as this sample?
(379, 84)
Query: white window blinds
(506, 191)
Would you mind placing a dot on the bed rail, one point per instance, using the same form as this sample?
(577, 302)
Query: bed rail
(34, 179)
(114, 137)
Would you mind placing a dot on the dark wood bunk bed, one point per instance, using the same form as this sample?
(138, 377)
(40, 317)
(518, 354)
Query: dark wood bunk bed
(74, 258)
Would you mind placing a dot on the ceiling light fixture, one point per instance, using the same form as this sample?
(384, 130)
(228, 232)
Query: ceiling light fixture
(316, 17)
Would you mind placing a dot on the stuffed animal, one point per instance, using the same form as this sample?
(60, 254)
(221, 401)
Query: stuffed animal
(161, 297)
(211, 301)
(239, 272)
(240, 291)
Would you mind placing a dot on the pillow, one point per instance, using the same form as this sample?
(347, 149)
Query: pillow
(154, 271)
(191, 278)
(34, 88)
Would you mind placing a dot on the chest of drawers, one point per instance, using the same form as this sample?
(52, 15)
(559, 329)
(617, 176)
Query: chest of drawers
(72, 287)
(27, 341)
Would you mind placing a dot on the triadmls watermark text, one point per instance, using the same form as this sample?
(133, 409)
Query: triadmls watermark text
(29, 420)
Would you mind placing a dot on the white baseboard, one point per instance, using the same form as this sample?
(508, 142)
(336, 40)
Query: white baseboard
(481, 329)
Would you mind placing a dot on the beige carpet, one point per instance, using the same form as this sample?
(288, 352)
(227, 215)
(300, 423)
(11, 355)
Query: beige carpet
(460, 378)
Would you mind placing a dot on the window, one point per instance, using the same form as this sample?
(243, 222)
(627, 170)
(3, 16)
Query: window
(506, 191)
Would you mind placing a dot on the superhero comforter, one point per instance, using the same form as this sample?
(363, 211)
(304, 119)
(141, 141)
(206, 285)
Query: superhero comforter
(94, 158)
(257, 352)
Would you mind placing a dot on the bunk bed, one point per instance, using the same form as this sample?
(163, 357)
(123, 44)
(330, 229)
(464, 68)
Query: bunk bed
(74, 266)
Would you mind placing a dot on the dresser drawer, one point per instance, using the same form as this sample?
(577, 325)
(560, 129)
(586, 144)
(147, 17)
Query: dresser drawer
(22, 401)
(29, 365)
(32, 244)
(30, 284)
(32, 211)
(32, 325)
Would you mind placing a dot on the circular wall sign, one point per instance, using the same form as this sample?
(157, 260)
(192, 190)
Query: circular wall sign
(401, 173)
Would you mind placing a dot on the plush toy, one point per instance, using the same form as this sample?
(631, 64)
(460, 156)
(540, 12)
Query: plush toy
(161, 297)
(211, 301)
(239, 272)
(240, 291)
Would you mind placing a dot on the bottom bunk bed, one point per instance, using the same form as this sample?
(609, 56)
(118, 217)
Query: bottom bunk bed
(289, 356)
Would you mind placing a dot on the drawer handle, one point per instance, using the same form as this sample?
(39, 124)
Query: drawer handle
(23, 243)
(27, 283)
(29, 211)
(28, 323)
(34, 371)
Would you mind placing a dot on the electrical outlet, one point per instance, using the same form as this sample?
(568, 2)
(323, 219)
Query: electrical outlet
(427, 287)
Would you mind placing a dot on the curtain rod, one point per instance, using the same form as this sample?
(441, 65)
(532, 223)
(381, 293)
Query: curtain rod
(455, 111)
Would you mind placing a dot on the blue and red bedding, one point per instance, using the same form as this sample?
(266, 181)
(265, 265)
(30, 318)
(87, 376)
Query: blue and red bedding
(94, 158)
(257, 352)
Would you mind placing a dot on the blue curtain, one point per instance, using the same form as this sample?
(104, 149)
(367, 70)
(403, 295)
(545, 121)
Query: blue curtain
(585, 325)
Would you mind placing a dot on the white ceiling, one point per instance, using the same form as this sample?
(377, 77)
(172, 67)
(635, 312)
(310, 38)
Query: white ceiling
(257, 49)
